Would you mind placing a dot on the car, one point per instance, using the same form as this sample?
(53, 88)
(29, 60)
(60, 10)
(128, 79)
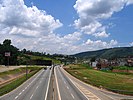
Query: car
(45, 68)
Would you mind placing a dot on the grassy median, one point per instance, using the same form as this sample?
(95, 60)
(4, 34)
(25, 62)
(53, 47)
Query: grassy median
(17, 82)
(115, 82)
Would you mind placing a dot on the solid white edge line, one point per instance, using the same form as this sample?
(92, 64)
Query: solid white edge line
(77, 87)
(67, 74)
(48, 86)
(35, 75)
(57, 86)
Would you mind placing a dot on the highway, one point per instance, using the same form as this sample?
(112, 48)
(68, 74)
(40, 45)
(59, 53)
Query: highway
(83, 91)
(36, 88)
(66, 89)
(56, 84)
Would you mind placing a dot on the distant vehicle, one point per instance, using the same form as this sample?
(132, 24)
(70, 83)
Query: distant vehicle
(45, 68)
(50, 68)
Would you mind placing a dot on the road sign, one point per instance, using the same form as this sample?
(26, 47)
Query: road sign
(7, 54)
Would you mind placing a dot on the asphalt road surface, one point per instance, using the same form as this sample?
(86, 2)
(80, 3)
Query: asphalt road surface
(56, 84)
(78, 89)
(35, 88)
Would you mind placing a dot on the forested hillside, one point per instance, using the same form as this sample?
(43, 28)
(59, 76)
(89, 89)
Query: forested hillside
(111, 53)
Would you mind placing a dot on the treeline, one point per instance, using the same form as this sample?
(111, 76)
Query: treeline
(111, 53)
(6, 47)
(23, 57)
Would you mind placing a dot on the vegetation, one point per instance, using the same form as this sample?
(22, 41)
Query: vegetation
(14, 84)
(123, 68)
(7, 47)
(116, 82)
(24, 56)
(111, 53)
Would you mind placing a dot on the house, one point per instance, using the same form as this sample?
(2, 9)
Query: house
(94, 64)
(130, 62)
(103, 64)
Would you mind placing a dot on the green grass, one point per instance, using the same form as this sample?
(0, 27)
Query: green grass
(111, 81)
(45, 58)
(18, 70)
(15, 71)
(123, 68)
(14, 84)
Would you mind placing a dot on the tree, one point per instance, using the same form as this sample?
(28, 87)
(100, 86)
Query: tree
(7, 47)
(7, 42)
(93, 59)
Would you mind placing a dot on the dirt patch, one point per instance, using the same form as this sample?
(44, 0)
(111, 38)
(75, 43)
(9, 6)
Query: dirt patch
(125, 71)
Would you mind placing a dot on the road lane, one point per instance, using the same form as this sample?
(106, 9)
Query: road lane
(34, 89)
(67, 89)
(91, 91)
(62, 87)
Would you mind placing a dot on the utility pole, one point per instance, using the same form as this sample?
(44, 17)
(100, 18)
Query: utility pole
(26, 71)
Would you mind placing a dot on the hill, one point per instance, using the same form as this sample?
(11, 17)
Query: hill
(111, 53)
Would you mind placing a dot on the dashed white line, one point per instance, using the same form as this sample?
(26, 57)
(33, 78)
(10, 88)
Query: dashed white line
(64, 82)
(67, 87)
(16, 97)
(31, 96)
(57, 86)
(26, 88)
(72, 95)
(37, 87)
(40, 82)
(47, 87)
(20, 93)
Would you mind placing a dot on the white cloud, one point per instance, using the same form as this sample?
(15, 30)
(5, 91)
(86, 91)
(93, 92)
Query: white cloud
(131, 44)
(101, 34)
(101, 44)
(92, 12)
(18, 19)
(129, 2)
(34, 29)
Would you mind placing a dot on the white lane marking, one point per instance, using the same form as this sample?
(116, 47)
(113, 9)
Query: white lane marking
(37, 87)
(31, 96)
(57, 85)
(77, 88)
(64, 82)
(67, 87)
(72, 95)
(20, 93)
(48, 86)
(27, 86)
(40, 82)
(16, 97)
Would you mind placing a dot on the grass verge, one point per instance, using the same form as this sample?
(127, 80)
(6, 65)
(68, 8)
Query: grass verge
(111, 81)
(14, 84)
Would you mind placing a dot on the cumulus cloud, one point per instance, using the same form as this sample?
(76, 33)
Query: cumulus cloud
(101, 34)
(101, 44)
(131, 44)
(92, 12)
(34, 29)
(51, 43)
(18, 19)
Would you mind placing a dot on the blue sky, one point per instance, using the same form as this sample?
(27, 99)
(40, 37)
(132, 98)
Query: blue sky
(67, 26)
(60, 9)
(64, 11)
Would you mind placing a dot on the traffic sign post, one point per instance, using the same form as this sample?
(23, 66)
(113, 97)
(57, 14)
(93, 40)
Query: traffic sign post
(7, 54)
